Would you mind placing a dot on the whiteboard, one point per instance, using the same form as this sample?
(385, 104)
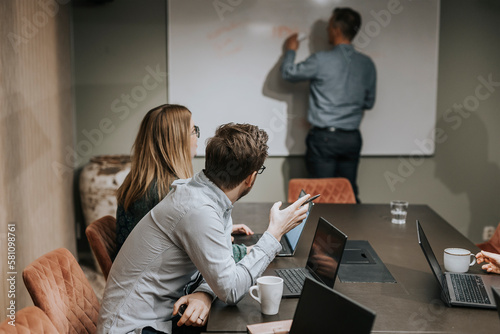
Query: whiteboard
(224, 58)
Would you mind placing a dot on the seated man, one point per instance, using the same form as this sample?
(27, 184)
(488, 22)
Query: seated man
(180, 252)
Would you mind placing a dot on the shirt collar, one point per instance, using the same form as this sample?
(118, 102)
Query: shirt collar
(213, 191)
(345, 47)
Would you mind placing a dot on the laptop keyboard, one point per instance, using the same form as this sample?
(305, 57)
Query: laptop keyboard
(292, 278)
(469, 288)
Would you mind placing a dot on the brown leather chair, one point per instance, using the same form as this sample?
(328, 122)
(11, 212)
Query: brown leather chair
(332, 190)
(29, 320)
(101, 235)
(492, 245)
(59, 287)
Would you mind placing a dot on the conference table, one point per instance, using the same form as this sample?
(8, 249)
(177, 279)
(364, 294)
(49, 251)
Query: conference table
(411, 305)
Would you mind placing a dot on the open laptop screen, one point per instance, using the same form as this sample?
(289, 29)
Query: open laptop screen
(429, 254)
(326, 252)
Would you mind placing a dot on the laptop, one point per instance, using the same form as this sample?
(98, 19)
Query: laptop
(323, 261)
(460, 289)
(288, 242)
(324, 310)
(496, 295)
(321, 310)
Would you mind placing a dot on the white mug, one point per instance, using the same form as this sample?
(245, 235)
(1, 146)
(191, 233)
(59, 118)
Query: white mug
(269, 291)
(457, 260)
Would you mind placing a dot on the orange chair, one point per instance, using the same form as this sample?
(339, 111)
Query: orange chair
(101, 235)
(29, 320)
(332, 190)
(492, 245)
(59, 287)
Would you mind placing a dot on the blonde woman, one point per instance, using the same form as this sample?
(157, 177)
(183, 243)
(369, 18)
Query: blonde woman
(162, 152)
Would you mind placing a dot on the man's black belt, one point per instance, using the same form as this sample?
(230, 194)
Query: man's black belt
(332, 129)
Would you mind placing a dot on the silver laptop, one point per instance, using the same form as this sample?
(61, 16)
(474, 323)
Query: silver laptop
(323, 261)
(460, 289)
(289, 241)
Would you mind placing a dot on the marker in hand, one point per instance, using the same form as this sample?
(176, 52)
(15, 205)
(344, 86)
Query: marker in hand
(301, 37)
(309, 200)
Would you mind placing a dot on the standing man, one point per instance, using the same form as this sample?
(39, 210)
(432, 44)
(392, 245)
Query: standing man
(342, 87)
(180, 252)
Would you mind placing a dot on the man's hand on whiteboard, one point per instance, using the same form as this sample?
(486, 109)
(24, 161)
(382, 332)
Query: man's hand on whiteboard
(292, 43)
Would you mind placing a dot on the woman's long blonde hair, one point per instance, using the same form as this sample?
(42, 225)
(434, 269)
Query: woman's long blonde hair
(161, 153)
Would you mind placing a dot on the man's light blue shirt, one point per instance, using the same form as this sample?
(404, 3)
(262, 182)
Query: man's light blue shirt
(342, 85)
(182, 244)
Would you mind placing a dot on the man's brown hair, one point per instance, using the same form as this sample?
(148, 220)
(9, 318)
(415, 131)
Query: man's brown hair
(235, 152)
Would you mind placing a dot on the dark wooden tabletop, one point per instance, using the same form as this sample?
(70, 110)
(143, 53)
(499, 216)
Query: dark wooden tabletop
(412, 305)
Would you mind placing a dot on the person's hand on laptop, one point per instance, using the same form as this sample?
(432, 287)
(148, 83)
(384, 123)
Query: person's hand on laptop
(241, 229)
(494, 261)
(282, 221)
(198, 307)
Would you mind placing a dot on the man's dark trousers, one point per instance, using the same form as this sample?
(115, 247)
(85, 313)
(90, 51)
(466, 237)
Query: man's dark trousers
(334, 153)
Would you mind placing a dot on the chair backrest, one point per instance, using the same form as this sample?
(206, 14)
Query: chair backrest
(332, 190)
(59, 287)
(101, 235)
(28, 320)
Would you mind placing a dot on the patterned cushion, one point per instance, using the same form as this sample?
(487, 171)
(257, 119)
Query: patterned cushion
(332, 190)
(29, 320)
(59, 287)
(102, 239)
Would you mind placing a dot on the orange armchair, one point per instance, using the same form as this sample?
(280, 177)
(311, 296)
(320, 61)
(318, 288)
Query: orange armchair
(101, 235)
(492, 245)
(332, 190)
(59, 287)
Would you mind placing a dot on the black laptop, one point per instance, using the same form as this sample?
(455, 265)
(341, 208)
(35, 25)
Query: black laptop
(288, 242)
(460, 289)
(496, 295)
(323, 310)
(323, 261)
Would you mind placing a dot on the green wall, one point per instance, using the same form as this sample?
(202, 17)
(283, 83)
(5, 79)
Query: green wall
(118, 44)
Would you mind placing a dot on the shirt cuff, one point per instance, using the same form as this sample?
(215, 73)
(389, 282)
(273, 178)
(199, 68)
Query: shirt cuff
(271, 245)
(204, 287)
(290, 55)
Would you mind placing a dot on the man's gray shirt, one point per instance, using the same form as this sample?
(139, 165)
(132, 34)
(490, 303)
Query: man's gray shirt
(342, 85)
(187, 234)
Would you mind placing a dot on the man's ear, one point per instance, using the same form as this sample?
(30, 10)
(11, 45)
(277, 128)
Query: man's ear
(337, 32)
(250, 179)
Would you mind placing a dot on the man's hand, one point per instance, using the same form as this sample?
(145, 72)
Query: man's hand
(196, 313)
(241, 229)
(282, 221)
(494, 261)
(292, 43)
